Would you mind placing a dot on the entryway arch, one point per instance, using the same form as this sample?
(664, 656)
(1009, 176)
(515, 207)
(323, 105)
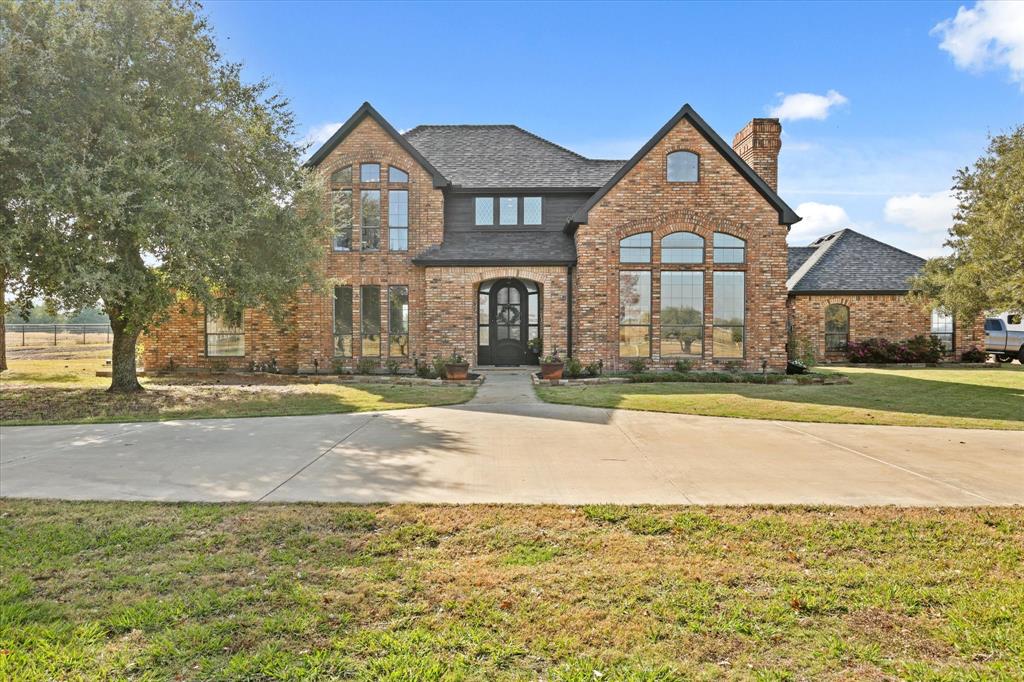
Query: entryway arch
(508, 317)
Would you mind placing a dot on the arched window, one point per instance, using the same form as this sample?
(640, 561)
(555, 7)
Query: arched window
(342, 176)
(683, 167)
(729, 249)
(397, 175)
(635, 248)
(837, 328)
(682, 247)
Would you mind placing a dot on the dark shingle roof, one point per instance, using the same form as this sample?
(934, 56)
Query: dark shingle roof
(506, 156)
(797, 255)
(848, 261)
(501, 247)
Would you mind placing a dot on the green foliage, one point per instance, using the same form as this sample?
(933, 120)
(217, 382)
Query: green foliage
(647, 524)
(637, 365)
(987, 237)
(594, 369)
(606, 513)
(573, 368)
(42, 314)
(974, 354)
(806, 353)
(881, 351)
(393, 366)
(439, 370)
(683, 366)
(147, 170)
(455, 359)
(340, 366)
(531, 554)
(367, 366)
(536, 345)
(424, 370)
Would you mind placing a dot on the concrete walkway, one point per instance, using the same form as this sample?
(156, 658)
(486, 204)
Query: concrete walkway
(507, 446)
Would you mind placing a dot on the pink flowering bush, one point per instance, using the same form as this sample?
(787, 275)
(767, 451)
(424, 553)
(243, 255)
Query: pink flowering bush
(881, 351)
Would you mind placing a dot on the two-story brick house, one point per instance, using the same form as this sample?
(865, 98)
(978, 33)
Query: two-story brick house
(477, 239)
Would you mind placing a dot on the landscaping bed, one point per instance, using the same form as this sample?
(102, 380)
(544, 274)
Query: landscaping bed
(698, 377)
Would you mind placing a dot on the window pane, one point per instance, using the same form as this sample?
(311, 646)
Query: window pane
(343, 321)
(728, 314)
(634, 297)
(532, 211)
(484, 336)
(635, 248)
(224, 323)
(484, 301)
(398, 208)
(837, 319)
(397, 175)
(341, 209)
(728, 249)
(682, 247)
(369, 172)
(509, 210)
(370, 210)
(224, 334)
(942, 329)
(398, 239)
(398, 320)
(682, 313)
(728, 342)
(484, 210)
(634, 342)
(369, 316)
(682, 167)
(342, 176)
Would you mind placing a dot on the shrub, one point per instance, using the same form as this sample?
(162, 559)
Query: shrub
(439, 372)
(594, 368)
(338, 366)
(733, 366)
(455, 359)
(637, 365)
(881, 351)
(924, 348)
(536, 345)
(573, 368)
(806, 353)
(367, 366)
(393, 366)
(424, 370)
(683, 366)
(974, 354)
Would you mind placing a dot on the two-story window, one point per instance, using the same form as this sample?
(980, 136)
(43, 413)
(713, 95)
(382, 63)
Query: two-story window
(370, 191)
(511, 211)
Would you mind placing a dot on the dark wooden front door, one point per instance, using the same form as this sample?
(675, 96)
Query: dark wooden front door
(508, 323)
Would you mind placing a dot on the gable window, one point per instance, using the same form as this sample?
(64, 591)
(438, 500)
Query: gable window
(343, 321)
(683, 167)
(729, 249)
(369, 172)
(398, 220)
(635, 248)
(729, 314)
(484, 210)
(342, 176)
(682, 312)
(682, 247)
(634, 314)
(369, 205)
(225, 335)
(943, 329)
(532, 210)
(509, 211)
(369, 319)
(837, 328)
(398, 321)
(341, 214)
(397, 175)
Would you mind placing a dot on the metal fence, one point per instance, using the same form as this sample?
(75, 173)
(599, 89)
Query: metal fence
(56, 334)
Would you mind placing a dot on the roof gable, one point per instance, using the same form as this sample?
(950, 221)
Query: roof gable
(848, 261)
(787, 216)
(366, 110)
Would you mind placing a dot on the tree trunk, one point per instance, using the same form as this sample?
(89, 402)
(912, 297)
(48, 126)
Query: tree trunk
(123, 376)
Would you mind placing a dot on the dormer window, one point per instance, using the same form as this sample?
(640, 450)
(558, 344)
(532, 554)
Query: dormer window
(683, 167)
(369, 172)
(509, 210)
(484, 210)
(532, 209)
(397, 175)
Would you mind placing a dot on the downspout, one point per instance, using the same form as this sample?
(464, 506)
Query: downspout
(568, 299)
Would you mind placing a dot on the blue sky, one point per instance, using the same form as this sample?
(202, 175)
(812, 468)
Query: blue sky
(881, 102)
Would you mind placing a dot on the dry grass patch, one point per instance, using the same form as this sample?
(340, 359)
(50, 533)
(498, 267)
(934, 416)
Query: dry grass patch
(117, 590)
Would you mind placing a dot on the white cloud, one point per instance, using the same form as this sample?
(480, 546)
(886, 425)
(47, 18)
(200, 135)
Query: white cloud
(319, 134)
(922, 212)
(818, 219)
(989, 35)
(807, 105)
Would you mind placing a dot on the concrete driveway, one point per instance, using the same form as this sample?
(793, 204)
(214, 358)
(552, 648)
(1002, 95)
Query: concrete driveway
(506, 446)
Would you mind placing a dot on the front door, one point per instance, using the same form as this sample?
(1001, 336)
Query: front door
(508, 334)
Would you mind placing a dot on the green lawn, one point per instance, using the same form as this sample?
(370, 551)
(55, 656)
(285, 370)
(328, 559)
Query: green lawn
(313, 592)
(61, 387)
(967, 398)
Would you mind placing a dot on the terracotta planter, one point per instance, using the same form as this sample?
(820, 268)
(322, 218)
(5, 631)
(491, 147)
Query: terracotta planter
(551, 370)
(456, 372)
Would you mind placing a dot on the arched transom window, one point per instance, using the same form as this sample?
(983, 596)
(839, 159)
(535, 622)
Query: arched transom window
(682, 247)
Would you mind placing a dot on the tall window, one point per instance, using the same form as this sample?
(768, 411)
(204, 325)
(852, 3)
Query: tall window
(942, 329)
(682, 312)
(369, 172)
(369, 318)
(342, 176)
(635, 248)
(397, 175)
(484, 210)
(509, 210)
(532, 210)
(343, 321)
(682, 247)
(398, 321)
(837, 328)
(369, 204)
(484, 313)
(634, 314)
(729, 315)
(729, 249)
(398, 220)
(532, 310)
(683, 167)
(225, 336)
(341, 208)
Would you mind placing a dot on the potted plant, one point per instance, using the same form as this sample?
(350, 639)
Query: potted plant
(551, 366)
(535, 345)
(456, 367)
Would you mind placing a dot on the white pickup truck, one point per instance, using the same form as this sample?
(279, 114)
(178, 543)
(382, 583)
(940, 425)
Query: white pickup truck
(1004, 343)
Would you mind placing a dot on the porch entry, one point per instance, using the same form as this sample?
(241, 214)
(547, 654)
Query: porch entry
(508, 318)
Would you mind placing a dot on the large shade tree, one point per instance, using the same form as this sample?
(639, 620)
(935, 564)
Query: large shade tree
(985, 271)
(159, 174)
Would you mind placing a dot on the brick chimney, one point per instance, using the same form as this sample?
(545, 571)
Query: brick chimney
(758, 144)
